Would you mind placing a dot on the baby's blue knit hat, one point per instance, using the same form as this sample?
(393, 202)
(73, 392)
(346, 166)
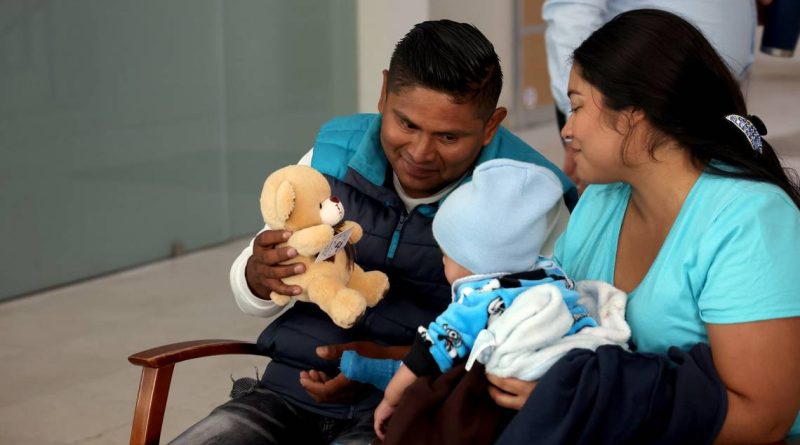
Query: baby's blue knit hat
(497, 222)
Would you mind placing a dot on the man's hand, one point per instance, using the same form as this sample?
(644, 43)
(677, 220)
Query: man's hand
(363, 348)
(340, 389)
(509, 392)
(263, 273)
(324, 389)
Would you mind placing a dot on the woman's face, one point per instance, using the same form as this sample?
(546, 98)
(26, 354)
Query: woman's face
(598, 145)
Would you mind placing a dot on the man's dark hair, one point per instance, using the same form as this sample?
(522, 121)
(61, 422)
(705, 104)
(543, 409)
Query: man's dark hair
(449, 57)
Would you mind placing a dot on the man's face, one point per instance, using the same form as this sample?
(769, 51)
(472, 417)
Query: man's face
(429, 140)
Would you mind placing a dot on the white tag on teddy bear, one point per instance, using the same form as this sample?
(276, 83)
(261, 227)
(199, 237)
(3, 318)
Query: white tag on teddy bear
(337, 243)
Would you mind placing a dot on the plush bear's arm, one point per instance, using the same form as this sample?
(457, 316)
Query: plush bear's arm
(357, 231)
(311, 240)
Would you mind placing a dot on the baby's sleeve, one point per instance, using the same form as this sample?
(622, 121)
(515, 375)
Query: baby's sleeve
(451, 336)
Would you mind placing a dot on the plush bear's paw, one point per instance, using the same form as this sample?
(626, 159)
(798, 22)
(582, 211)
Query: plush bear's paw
(376, 284)
(347, 306)
(279, 299)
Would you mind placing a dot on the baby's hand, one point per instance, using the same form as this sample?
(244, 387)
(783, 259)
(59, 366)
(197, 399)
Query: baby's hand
(382, 415)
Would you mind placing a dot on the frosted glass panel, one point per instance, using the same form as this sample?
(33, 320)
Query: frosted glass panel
(130, 127)
(285, 78)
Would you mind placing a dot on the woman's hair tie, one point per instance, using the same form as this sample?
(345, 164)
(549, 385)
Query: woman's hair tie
(753, 128)
(755, 120)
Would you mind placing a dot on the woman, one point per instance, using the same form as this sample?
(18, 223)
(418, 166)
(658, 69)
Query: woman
(689, 211)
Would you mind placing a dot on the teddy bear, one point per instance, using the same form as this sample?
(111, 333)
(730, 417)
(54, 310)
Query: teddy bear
(298, 198)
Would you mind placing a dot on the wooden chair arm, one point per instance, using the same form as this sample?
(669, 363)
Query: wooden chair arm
(187, 350)
(157, 366)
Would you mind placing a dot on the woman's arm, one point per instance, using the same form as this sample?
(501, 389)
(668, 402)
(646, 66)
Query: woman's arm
(759, 363)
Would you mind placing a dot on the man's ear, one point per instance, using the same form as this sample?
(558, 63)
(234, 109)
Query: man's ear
(493, 124)
(384, 86)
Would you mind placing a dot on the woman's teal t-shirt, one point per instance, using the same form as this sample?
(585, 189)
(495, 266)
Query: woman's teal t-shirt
(731, 256)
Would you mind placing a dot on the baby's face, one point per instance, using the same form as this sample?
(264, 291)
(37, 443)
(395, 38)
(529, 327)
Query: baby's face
(453, 270)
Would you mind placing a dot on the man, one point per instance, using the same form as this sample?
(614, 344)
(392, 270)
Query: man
(438, 119)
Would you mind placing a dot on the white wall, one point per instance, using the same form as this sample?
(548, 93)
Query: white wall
(381, 23)
(495, 19)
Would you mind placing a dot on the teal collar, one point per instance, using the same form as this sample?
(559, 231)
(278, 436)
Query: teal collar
(370, 160)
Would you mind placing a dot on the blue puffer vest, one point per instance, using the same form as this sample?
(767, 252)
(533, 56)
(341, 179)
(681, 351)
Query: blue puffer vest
(348, 152)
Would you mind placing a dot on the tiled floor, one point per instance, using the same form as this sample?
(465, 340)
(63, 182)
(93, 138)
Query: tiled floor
(65, 378)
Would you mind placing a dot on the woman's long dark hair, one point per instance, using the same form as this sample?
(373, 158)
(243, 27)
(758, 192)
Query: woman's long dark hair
(657, 62)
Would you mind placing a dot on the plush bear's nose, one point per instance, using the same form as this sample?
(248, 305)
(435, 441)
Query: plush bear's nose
(335, 199)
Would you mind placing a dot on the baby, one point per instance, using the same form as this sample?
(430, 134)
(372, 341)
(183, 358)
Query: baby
(491, 231)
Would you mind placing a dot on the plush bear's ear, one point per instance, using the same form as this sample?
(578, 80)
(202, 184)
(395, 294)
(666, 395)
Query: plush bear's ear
(284, 201)
(276, 211)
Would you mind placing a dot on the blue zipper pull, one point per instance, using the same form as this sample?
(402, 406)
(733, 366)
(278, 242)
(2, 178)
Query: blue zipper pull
(396, 236)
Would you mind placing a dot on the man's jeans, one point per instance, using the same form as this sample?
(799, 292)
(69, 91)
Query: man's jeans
(264, 417)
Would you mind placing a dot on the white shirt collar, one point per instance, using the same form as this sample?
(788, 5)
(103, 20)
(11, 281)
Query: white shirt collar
(410, 202)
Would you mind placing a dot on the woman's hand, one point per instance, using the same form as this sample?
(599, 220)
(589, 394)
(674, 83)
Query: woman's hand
(509, 392)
